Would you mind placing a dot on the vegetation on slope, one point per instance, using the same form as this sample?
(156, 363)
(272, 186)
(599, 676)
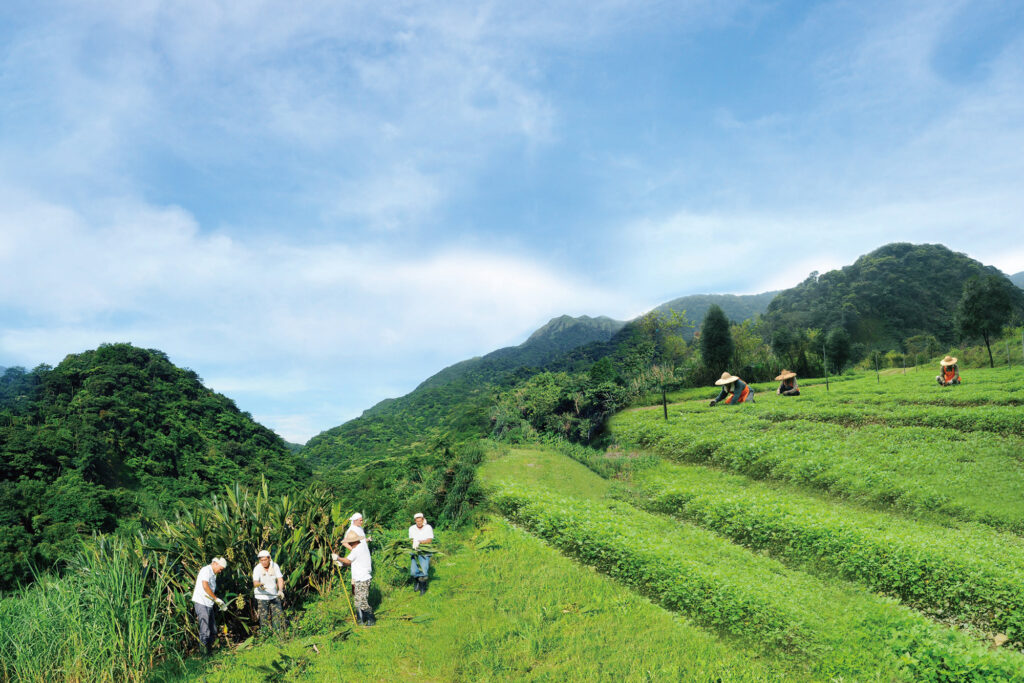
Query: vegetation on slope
(455, 403)
(502, 606)
(113, 435)
(886, 296)
(737, 307)
(833, 629)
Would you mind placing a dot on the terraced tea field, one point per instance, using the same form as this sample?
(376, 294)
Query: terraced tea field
(874, 531)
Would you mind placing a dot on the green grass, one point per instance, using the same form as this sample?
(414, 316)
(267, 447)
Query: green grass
(833, 628)
(936, 471)
(106, 619)
(503, 607)
(543, 466)
(968, 574)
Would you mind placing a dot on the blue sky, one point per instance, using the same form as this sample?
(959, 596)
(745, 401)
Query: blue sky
(317, 205)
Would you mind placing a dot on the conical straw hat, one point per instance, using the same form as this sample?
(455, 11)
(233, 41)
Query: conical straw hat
(948, 360)
(726, 379)
(785, 374)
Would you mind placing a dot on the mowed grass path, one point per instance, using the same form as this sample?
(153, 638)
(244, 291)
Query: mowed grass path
(503, 607)
(828, 629)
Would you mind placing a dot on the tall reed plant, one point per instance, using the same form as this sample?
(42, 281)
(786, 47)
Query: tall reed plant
(107, 619)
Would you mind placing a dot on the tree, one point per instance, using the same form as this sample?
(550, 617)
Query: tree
(922, 346)
(984, 308)
(837, 347)
(716, 345)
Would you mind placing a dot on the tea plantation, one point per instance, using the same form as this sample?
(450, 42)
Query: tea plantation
(873, 530)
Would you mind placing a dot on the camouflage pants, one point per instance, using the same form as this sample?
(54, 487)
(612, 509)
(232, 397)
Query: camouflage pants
(271, 616)
(361, 589)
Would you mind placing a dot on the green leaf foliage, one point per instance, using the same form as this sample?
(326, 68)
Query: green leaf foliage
(115, 435)
(892, 293)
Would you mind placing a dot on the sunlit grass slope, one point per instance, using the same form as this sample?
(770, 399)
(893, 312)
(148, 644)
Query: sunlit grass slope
(503, 607)
(827, 627)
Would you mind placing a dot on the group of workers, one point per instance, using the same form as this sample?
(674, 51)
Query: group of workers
(269, 586)
(735, 390)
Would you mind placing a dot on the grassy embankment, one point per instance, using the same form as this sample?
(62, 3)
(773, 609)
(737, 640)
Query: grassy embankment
(820, 626)
(502, 607)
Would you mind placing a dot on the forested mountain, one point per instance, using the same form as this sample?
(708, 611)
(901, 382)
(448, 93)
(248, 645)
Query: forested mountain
(456, 400)
(893, 293)
(886, 296)
(115, 435)
(1018, 279)
(737, 307)
(557, 336)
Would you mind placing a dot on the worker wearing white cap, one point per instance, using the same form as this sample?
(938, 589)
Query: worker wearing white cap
(421, 534)
(356, 522)
(204, 598)
(268, 589)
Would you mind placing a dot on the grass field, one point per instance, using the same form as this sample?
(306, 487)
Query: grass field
(503, 606)
(873, 531)
(810, 621)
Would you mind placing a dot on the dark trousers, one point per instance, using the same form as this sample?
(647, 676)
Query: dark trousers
(271, 616)
(207, 617)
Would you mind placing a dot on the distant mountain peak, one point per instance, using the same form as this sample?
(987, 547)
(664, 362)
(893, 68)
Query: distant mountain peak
(566, 323)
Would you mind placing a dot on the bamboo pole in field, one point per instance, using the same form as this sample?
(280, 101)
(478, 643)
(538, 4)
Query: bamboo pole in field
(877, 376)
(1008, 361)
(824, 364)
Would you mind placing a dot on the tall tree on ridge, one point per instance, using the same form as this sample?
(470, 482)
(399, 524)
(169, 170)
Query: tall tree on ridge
(716, 345)
(984, 308)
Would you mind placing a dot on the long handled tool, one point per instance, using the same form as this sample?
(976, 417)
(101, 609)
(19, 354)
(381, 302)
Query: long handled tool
(344, 588)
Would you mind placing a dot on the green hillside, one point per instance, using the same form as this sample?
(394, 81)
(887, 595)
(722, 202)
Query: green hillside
(114, 435)
(456, 400)
(602, 364)
(737, 307)
(781, 540)
(895, 292)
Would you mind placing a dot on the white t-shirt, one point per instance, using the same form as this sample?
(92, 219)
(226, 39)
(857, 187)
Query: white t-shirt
(362, 566)
(424, 534)
(199, 595)
(267, 590)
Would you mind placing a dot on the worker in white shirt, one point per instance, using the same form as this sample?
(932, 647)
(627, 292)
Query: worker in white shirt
(362, 568)
(268, 589)
(421, 534)
(355, 526)
(204, 598)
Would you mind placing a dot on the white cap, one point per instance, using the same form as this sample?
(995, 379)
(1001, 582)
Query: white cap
(355, 517)
(264, 553)
(220, 560)
(418, 514)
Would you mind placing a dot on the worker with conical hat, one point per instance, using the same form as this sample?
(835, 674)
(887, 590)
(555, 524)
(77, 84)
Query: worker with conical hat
(734, 391)
(362, 567)
(949, 372)
(788, 385)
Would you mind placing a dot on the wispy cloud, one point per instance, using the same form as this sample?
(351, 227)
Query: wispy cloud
(309, 312)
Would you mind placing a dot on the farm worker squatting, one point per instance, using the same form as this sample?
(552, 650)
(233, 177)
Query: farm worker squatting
(362, 566)
(268, 589)
(731, 384)
(204, 598)
(421, 534)
(949, 373)
(788, 386)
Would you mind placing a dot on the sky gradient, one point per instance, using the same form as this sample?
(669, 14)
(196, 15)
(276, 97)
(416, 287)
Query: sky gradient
(317, 205)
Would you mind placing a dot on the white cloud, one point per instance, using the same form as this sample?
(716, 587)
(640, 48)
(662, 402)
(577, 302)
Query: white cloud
(267, 319)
